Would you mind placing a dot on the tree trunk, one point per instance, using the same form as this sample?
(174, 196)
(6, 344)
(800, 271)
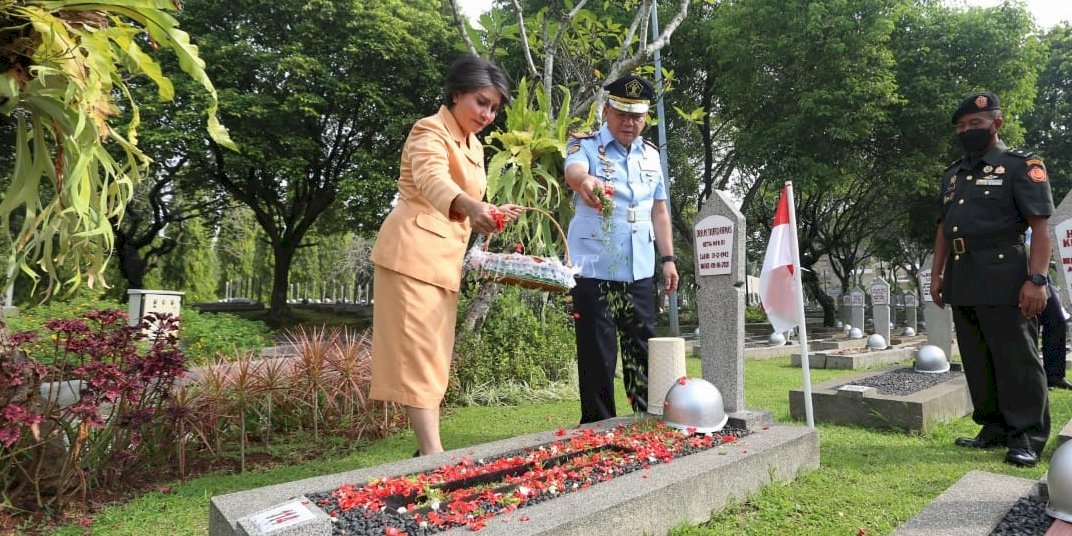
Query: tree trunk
(812, 284)
(131, 265)
(278, 309)
(479, 307)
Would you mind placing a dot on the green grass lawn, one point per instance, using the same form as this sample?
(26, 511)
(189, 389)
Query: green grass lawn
(867, 480)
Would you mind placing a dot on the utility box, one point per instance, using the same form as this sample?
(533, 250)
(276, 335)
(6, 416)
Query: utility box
(143, 302)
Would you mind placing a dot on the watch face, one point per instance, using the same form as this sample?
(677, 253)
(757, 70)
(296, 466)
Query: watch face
(1037, 279)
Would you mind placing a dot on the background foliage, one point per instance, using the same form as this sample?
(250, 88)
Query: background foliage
(526, 340)
(203, 336)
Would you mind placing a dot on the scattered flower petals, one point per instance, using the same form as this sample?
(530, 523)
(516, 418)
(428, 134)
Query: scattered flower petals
(575, 460)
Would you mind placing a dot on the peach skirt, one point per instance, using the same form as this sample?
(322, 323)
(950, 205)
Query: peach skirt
(412, 339)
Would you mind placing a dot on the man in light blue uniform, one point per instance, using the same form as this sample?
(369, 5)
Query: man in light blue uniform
(614, 299)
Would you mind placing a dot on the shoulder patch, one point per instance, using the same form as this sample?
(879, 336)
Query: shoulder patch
(582, 135)
(1037, 173)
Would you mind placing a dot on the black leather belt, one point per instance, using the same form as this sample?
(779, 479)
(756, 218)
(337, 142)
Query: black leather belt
(965, 244)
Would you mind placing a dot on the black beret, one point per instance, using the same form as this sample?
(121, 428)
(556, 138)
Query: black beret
(980, 101)
(630, 94)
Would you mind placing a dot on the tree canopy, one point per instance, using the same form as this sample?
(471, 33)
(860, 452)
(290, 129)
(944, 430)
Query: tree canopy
(320, 94)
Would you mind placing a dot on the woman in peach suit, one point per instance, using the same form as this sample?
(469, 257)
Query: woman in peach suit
(419, 250)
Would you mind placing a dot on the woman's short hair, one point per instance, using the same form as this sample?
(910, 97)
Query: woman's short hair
(470, 72)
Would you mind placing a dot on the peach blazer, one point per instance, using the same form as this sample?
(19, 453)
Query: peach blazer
(421, 238)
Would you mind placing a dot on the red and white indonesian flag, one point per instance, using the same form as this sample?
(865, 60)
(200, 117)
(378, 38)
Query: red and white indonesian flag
(778, 290)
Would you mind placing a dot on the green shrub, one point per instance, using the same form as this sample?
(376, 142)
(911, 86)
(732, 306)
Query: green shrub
(754, 315)
(206, 335)
(32, 317)
(526, 340)
(202, 335)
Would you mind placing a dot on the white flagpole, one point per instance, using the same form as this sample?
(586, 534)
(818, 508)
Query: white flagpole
(802, 329)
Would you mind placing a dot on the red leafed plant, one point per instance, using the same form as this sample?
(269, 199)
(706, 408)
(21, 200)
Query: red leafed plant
(87, 406)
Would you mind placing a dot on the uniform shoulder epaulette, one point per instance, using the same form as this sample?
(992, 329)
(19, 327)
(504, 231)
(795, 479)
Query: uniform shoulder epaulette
(581, 135)
(954, 163)
(651, 144)
(1022, 153)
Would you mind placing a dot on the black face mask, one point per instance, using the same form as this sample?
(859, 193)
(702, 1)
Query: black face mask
(975, 140)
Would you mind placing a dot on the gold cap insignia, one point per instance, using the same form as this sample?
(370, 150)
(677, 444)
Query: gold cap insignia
(633, 89)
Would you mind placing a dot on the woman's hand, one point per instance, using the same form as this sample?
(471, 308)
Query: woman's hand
(511, 211)
(481, 217)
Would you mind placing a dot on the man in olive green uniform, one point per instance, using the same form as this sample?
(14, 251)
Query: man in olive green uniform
(982, 268)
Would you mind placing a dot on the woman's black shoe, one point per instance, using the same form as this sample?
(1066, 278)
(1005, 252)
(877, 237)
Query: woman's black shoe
(417, 453)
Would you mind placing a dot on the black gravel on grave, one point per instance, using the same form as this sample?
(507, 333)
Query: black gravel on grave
(904, 381)
(362, 522)
(1026, 518)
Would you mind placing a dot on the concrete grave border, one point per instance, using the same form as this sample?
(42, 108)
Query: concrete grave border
(646, 501)
(973, 506)
(946, 401)
(857, 361)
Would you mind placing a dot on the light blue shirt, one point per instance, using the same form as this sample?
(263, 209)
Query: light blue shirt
(623, 248)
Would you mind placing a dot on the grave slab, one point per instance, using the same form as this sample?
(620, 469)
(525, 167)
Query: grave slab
(649, 501)
(769, 352)
(943, 402)
(763, 352)
(972, 507)
(915, 340)
(837, 344)
(854, 361)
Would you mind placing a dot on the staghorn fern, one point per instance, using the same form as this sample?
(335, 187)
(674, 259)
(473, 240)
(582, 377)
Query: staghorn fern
(527, 165)
(62, 66)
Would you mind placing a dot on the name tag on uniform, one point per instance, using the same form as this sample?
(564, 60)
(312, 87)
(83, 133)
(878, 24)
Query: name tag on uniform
(990, 182)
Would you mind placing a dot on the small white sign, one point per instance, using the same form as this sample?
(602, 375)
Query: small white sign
(1063, 230)
(714, 245)
(282, 516)
(880, 295)
(855, 391)
(925, 284)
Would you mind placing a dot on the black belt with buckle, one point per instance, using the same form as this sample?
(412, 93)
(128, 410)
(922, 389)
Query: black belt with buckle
(961, 245)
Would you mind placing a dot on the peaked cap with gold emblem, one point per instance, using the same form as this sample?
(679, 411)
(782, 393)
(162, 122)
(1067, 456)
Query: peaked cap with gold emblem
(630, 94)
(981, 101)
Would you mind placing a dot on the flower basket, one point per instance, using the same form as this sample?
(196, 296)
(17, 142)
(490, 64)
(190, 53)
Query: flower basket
(527, 271)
